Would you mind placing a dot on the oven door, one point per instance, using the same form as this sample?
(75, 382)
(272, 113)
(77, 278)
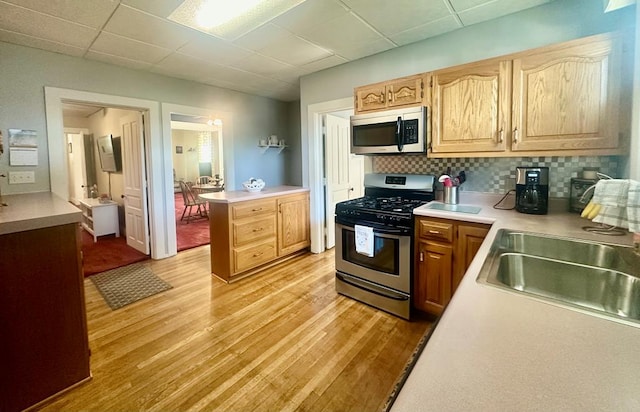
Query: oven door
(390, 265)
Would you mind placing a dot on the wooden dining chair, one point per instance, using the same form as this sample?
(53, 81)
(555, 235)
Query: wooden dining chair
(203, 180)
(191, 200)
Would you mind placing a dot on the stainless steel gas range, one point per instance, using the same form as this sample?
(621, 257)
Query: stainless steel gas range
(374, 240)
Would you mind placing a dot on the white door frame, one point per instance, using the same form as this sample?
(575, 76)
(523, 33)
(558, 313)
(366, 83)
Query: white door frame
(227, 147)
(160, 180)
(316, 161)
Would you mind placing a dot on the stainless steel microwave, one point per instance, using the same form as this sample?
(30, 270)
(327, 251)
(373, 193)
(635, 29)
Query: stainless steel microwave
(390, 132)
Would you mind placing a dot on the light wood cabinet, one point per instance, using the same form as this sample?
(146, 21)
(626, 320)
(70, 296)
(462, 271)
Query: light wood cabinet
(444, 250)
(406, 91)
(293, 224)
(562, 99)
(248, 235)
(566, 97)
(471, 108)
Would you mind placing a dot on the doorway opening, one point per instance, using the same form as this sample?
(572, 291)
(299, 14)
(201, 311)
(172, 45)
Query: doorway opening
(102, 188)
(315, 178)
(343, 171)
(198, 167)
(209, 133)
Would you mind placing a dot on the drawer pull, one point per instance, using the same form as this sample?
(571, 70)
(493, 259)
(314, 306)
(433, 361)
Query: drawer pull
(258, 254)
(434, 232)
(256, 210)
(260, 229)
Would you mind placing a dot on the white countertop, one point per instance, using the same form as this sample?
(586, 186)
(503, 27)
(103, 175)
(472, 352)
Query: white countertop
(498, 350)
(241, 195)
(35, 211)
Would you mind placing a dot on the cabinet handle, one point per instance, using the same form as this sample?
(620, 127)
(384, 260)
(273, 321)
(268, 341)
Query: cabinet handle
(260, 229)
(258, 254)
(434, 232)
(421, 257)
(382, 97)
(501, 136)
(256, 210)
(515, 135)
(390, 98)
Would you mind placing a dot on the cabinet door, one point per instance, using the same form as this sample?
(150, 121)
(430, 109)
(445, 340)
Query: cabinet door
(471, 108)
(567, 97)
(432, 283)
(467, 244)
(369, 98)
(406, 92)
(293, 224)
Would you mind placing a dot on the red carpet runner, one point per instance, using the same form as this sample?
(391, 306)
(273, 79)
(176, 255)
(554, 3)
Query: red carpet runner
(111, 252)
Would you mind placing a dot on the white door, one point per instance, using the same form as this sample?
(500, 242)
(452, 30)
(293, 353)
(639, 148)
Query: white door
(344, 172)
(135, 182)
(77, 169)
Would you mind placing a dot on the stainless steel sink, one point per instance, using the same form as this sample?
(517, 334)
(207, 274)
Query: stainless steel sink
(603, 278)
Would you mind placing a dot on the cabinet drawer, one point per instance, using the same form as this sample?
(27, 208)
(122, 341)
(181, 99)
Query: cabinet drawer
(430, 229)
(253, 208)
(248, 231)
(246, 258)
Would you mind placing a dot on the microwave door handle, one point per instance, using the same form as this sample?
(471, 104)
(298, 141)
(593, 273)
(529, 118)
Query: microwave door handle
(399, 134)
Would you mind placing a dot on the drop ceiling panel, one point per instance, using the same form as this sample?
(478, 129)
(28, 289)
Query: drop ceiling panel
(352, 36)
(131, 49)
(310, 14)
(406, 14)
(495, 9)
(17, 19)
(267, 60)
(261, 64)
(211, 48)
(262, 37)
(431, 29)
(294, 50)
(118, 61)
(92, 13)
(134, 24)
(323, 64)
(37, 43)
(158, 8)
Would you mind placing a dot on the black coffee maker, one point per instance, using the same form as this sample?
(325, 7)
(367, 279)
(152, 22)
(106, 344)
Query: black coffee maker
(532, 190)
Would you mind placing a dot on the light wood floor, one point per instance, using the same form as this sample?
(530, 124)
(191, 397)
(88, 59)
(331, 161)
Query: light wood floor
(280, 340)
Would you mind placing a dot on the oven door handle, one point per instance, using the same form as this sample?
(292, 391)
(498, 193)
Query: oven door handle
(377, 292)
(376, 228)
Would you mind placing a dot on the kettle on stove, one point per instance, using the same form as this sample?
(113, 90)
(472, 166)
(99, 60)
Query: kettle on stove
(532, 190)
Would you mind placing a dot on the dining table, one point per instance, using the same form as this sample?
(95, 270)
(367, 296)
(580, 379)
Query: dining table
(207, 188)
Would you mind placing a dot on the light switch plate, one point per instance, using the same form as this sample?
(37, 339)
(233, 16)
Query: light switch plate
(17, 178)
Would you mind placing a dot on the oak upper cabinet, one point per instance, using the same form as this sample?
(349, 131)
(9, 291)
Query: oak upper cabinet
(471, 108)
(293, 223)
(566, 97)
(406, 91)
(444, 250)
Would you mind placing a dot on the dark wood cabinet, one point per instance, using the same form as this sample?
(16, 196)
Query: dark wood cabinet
(44, 347)
(444, 250)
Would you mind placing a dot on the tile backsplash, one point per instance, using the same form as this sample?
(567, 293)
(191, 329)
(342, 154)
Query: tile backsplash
(497, 175)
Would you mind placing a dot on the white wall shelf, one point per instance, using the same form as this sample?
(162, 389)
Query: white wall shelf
(263, 148)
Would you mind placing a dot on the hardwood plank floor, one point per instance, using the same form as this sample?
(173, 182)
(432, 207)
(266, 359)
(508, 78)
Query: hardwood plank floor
(281, 340)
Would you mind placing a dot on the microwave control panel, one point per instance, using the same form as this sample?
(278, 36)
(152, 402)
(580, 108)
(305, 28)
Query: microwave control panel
(410, 129)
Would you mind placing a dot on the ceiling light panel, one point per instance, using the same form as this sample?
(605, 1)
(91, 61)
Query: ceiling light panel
(229, 19)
